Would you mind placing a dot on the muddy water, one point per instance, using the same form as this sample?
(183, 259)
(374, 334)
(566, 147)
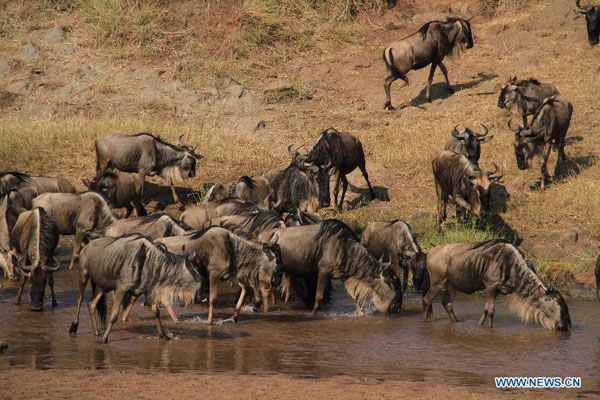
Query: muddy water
(290, 341)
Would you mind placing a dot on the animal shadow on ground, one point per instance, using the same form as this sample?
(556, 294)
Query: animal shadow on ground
(572, 166)
(497, 224)
(439, 90)
(162, 194)
(364, 198)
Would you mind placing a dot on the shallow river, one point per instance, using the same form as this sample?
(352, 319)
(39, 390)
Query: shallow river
(291, 341)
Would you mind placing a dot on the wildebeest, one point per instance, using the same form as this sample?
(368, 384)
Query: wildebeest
(134, 264)
(253, 224)
(497, 267)
(228, 256)
(331, 250)
(468, 142)
(524, 97)
(592, 20)
(76, 214)
(395, 242)
(120, 191)
(218, 193)
(301, 185)
(198, 217)
(463, 183)
(343, 153)
(297, 218)
(35, 237)
(22, 197)
(548, 128)
(14, 180)
(598, 277)
(153, 226)
(8, 219)
(146, 154)
(253, 189)
(429, 45)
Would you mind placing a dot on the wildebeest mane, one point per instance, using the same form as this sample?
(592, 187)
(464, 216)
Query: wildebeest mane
(23, 177)
(159, 139)
(246, 206)
(332, 227)
(48, 238)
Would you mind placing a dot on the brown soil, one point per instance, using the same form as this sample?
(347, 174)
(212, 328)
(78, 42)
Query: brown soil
(67, 384)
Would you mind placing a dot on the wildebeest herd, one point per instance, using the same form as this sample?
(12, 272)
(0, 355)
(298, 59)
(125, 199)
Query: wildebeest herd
(264, 233)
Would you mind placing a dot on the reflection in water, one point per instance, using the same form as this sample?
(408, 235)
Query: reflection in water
(291, 341)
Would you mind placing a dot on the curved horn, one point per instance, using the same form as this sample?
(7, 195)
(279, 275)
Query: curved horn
(179, 142)
(515, 130)
(582, 7)
(196, 144)
(290, 150)
(455, 133)
(55, 266)
(485, 129)
(327, 166)
(491, 176)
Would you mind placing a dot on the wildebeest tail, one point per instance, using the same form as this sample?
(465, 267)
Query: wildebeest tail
(598, 277)
(389, 63)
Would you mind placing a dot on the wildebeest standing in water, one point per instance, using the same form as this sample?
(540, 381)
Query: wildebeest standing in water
(228, 256)
(524, 97)
(429, 45)
(42, 184)
(301, 185)
(548, 129)
(592, 19)
(395, 242)
(462, 182)
(468, 142)
(497, 267)
(146, 154)
(134, 264)
(120, 191)
(343, 153)
(35, 238)
(331, 250)
(76, 214)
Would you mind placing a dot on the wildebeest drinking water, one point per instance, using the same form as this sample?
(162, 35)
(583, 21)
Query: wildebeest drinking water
(524, 97)
(395, 242)
(592, 19)
(331, 250)
(548, 129)
(497, 267)
(468, 142)
(146, 154)
(134, 264)
(429, 45)
(343, 153)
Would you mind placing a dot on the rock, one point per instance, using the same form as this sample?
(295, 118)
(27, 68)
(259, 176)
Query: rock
(279, 86)
(527, 60)
(68, 50)
(188, 97)
(496, 29)
(422, 217)
(517, 40)
(4, 67)
(460, 10)
(28, 51)
(63, 92)
(172, 86)
(55, 36)
(40, 110)
(18, 87)
(247, 124)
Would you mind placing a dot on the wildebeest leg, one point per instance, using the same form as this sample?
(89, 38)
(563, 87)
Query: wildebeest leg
(273, 297)
(114, 313)
(101, 167)
(322, 282)
(358, 307)
(175, 198)
(428, 298)
(545, 175)
(336, 189)
(344, 188)
(388, 83)
(24, 278)
(238, 306)
(139, 208)
(50, 277)
(429, 81)
(83, 280)
(76, 246)
(156, 313)
(490, 307)
(363, 170)
(525, 124)
(441, 208)
(212, 297)
(445, 72)
(171, 313)
(92, 309)
(404, 278)
(125, 315)
(265, 295)
(447, 301)
(129, 209)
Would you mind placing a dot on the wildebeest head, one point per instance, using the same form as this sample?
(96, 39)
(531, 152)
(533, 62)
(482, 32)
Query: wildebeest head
(273, 269)
(37, 277)
(524, 144)
(319, 175)
(416, 261)
(471, 141)
(477, 184)
(106, 186)
(187, 165)
(592, 19)
(508, 86)
(552, 309)
(464, 36)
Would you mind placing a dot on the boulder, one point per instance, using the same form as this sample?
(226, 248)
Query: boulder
(29, 51)
(55, 36)
(18, 87)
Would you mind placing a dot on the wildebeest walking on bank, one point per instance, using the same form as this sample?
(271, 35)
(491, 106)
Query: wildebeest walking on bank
(592, 19)
(468, 142)
(497, 267)
(429, 45)
(34, 239)
(120, 191)
(134, 264)
(548, 129)
(343, 153)
(147, 155)
(396, 240)
(331, 250)
(524, 97)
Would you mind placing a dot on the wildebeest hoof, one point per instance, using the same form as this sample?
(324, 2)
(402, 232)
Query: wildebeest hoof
(104, 341)
(54, 303)
(164, 337)
(73, 328)
(230, 319)
(388, 106)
